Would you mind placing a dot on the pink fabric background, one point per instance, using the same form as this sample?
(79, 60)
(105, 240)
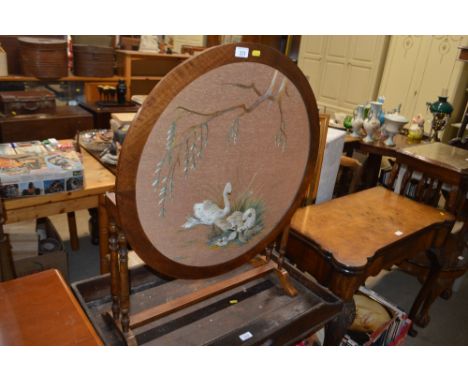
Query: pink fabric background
(252, 165)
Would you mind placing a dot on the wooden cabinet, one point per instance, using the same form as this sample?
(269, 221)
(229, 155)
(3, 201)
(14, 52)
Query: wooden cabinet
(344, 71)
(63, 124)
(142, 70)
(418, 69)
(90, 84)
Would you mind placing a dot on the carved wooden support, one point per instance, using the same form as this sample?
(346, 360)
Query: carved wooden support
(282, 273)
(427, 294)
(115, 276)
(124, 285)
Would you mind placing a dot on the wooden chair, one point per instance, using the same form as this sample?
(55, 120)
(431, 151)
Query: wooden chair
(349, 176)
(314, 183)
(430, 182)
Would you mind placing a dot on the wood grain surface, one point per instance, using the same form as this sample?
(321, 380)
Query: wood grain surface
(40, 309)
(354, 227)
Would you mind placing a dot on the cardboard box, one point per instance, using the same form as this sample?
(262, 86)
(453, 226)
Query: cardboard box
(57, 259)
(38, 169)
(392, 333)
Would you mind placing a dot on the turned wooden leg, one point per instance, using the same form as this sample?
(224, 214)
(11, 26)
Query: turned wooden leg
(124, 285)
(115, 276)
(103, 234)
(74, 241)
(426, 295)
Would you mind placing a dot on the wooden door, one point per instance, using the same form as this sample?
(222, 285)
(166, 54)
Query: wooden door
(418, 69)
(344, 71)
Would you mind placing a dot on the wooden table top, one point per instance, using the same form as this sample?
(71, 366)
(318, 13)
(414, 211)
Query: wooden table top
(40, 309)
(97, 180)
(127, 108)
(354, 227)
(60, 112)
(379, 147)
(441, 154)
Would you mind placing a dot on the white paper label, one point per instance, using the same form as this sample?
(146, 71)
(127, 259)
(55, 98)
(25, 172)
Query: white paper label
(242, 52)
(245, 336)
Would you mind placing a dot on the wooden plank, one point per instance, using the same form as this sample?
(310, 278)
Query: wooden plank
(223, 321)
(35, 212)
(151, 314)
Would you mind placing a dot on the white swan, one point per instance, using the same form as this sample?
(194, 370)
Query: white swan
(248, 219)
(248, 228)
(208, 212)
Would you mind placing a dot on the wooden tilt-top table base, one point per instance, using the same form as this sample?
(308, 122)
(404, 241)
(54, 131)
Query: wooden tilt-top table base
(254, 313)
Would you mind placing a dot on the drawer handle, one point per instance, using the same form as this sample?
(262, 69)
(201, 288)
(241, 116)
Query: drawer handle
(31, 106)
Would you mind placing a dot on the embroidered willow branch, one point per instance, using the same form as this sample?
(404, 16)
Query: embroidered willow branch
(193, 141)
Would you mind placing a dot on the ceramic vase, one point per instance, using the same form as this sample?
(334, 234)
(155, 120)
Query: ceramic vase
(393, 123)
(358, 121)
(372, 122)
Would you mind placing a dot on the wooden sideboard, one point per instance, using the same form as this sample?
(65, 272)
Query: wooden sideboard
(64, 123)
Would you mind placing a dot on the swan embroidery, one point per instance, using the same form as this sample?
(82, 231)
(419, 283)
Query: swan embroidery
(209, 213)
(238, 224)
(185, 146)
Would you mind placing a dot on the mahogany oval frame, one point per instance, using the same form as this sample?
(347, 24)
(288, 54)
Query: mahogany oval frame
(154, 106)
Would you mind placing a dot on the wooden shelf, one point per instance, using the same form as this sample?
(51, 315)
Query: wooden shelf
(144, 78)
(142, 69)
(68, 78)
(137, 53)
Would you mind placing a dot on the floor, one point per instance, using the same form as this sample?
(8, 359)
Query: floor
(448, 318)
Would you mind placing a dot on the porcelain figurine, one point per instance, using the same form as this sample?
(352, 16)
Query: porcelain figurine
(358, 121)
(416, 130)
(372, 122)
(392, 125)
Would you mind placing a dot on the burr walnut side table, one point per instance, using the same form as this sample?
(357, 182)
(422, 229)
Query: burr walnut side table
(344, 241)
